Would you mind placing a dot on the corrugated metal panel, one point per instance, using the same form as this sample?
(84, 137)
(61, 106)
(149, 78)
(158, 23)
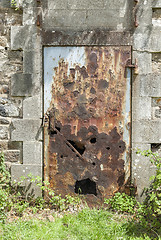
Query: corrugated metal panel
(87, 136)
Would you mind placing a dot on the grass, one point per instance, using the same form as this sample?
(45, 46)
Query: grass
(85, 225)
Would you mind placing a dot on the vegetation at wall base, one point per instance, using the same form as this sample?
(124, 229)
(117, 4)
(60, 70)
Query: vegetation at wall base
(150, 211)
(67, 218)
(13, 199)
(121, 203)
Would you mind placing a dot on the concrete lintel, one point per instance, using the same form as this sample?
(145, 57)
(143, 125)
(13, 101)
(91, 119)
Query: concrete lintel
(93, 37)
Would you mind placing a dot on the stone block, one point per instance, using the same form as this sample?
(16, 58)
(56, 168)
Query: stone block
(4, 121)
(156, 4)
(152, 38)
(26, 130)
(141, 108)
(125, 18)
(3, 145)
(156, 57)
(5, 3)
(19, 170)
(28, 4)
(142, 169)
(15, 145)
(136, 85)
(23, 37)
(144, 131)
(17, 39)
(144, 13)
(156, 13)
(144, 62)
(10, 108)
(12, 156)
(156, 108)
(103, 18)
(29, 16)
(117, 4)
(65, 18)
(32, 152)
(32, 108)
(83, 4)
(28, 62)
(44, 5)
(31, 62)
(139, 42)
(150, 85)
(4, 89)
(57, 4)
(4, 132)
(21, 85)
(3, 41)
(37, 82)
(157, 113)
(15, 56)
(155, 39)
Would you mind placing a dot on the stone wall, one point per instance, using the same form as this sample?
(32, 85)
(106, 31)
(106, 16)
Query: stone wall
(146, 89)
(10, 63)
(35, 24)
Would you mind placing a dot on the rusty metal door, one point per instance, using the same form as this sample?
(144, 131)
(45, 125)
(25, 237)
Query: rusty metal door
(87, 112)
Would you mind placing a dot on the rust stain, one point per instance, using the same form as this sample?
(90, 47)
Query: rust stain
(85, 126)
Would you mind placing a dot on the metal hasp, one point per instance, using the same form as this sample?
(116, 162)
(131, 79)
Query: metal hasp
(87, 93)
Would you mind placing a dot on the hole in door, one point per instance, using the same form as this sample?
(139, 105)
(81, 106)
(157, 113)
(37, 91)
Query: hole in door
(78, 146)
(93, 140)
(85, 186)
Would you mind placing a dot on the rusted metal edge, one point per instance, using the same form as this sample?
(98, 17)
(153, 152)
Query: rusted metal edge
(84, 38)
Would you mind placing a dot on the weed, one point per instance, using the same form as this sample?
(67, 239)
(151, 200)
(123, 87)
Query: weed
(148, 213)
(150, 210)
(121, 202)
(5, 202)
(14, 4)
(12, 197)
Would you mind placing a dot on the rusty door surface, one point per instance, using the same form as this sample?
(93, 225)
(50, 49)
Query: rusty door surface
(87, 119)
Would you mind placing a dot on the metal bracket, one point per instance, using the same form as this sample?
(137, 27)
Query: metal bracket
(45, 120)
(135, 13)
(133, 66)
(38, 20)
(39, 17)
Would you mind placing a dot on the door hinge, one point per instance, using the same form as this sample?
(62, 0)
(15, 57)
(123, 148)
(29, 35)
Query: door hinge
(132, 66)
